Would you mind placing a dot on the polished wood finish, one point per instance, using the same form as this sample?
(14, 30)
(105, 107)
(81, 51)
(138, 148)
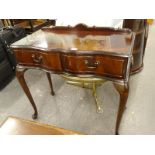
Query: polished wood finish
(37, 58)
(94, 40)
(21, 79)
(140, 28)
(82, 30)
(18, 126)
(78, 51)
(96, 65)
(123, 91)
(50, 83)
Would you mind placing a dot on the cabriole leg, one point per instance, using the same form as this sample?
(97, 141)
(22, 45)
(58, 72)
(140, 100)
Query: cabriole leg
(123, 90)
(21, 79)
(50, 82)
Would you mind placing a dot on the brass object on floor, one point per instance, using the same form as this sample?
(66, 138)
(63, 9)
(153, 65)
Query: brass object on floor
(86, 82)
(99, 108)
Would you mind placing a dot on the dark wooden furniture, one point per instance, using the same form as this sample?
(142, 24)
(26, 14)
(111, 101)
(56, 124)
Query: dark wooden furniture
(78, 51)
(31, 25)
(18, 126)
(140, 28)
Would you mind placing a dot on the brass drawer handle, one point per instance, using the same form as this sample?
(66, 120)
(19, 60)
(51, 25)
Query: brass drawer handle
(91, 65)
(36, 59)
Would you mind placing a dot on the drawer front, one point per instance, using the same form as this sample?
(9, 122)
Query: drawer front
(45, 60)
(99, 65)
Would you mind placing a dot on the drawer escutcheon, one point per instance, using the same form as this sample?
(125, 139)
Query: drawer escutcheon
(92, 65)
(36, 59)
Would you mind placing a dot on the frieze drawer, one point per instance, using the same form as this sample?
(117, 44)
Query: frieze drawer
(109, 66)
(47, 60)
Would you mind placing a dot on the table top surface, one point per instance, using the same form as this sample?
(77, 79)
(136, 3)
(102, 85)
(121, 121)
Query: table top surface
(18, 126)
(79, 39)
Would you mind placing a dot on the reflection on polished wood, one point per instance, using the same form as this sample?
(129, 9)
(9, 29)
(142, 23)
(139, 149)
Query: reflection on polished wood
(18, 126)
(89, 39)
(80, 51)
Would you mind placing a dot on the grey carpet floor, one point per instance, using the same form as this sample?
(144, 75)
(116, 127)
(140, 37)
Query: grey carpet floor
(71, 108)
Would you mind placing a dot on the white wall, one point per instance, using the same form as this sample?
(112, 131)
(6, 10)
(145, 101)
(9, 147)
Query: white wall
(89, 22)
